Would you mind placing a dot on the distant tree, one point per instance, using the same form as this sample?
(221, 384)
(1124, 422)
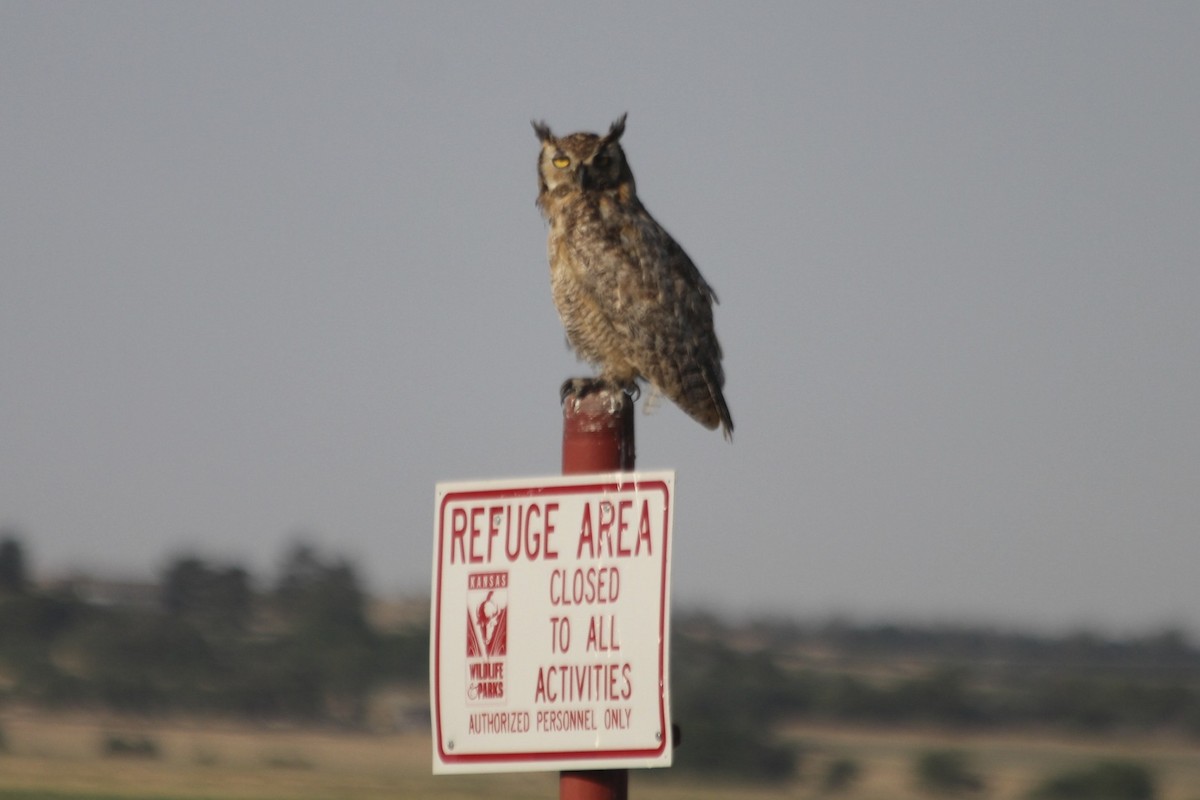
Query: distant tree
(404, 655)
(943, 695)
(728, 704)
(218, 599)
(323, 598)
(324, 608)
(139, 660)
(13, 580)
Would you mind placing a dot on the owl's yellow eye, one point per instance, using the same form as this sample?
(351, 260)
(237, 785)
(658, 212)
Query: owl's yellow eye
(562, 162)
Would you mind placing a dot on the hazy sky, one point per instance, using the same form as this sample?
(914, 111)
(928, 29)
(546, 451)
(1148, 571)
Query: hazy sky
(274, 269)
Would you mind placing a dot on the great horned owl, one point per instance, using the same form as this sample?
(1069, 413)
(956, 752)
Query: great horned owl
(631, 300)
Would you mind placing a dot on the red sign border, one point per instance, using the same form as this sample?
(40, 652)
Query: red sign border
(588, 486)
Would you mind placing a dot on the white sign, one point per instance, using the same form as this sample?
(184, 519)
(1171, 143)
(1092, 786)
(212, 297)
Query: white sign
(550, 623)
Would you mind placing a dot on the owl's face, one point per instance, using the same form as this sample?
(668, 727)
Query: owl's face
(583, 161)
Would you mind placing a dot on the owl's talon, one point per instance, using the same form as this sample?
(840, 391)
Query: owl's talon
(582, 387)
(579, 387)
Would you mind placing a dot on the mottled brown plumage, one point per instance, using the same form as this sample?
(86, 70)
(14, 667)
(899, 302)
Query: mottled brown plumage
(631, 300)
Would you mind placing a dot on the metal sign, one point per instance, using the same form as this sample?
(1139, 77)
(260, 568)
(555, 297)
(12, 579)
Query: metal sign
(550, 623)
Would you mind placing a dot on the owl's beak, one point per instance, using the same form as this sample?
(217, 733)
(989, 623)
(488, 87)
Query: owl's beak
(585, 176)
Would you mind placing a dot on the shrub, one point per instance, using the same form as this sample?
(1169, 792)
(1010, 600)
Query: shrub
(129, 746)
(1107, 780)
(839, 775)
(947, 772)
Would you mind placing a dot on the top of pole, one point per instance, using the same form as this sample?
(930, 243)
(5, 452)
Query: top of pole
(597, 431)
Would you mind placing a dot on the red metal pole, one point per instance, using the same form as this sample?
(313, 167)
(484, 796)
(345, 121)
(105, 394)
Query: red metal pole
(597, 437)
(597, 433)
(594, 784)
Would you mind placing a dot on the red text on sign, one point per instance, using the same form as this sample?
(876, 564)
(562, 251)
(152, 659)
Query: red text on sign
(479, 534)
(580, 586)
(605, 532)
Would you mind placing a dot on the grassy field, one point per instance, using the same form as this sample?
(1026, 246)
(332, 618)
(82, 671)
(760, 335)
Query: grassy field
(61, 758)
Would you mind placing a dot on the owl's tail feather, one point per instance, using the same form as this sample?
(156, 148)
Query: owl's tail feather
(702, 399)
(723, 410)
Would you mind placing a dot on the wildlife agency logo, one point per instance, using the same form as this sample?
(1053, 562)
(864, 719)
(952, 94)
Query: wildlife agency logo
(487, 636)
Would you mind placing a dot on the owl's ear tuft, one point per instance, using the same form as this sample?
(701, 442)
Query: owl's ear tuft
(617, 128)
(542, 130)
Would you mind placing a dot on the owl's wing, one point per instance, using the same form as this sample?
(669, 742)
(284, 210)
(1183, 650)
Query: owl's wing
(670, 312)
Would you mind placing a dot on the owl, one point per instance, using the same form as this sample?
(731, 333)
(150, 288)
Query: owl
(632, 302)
